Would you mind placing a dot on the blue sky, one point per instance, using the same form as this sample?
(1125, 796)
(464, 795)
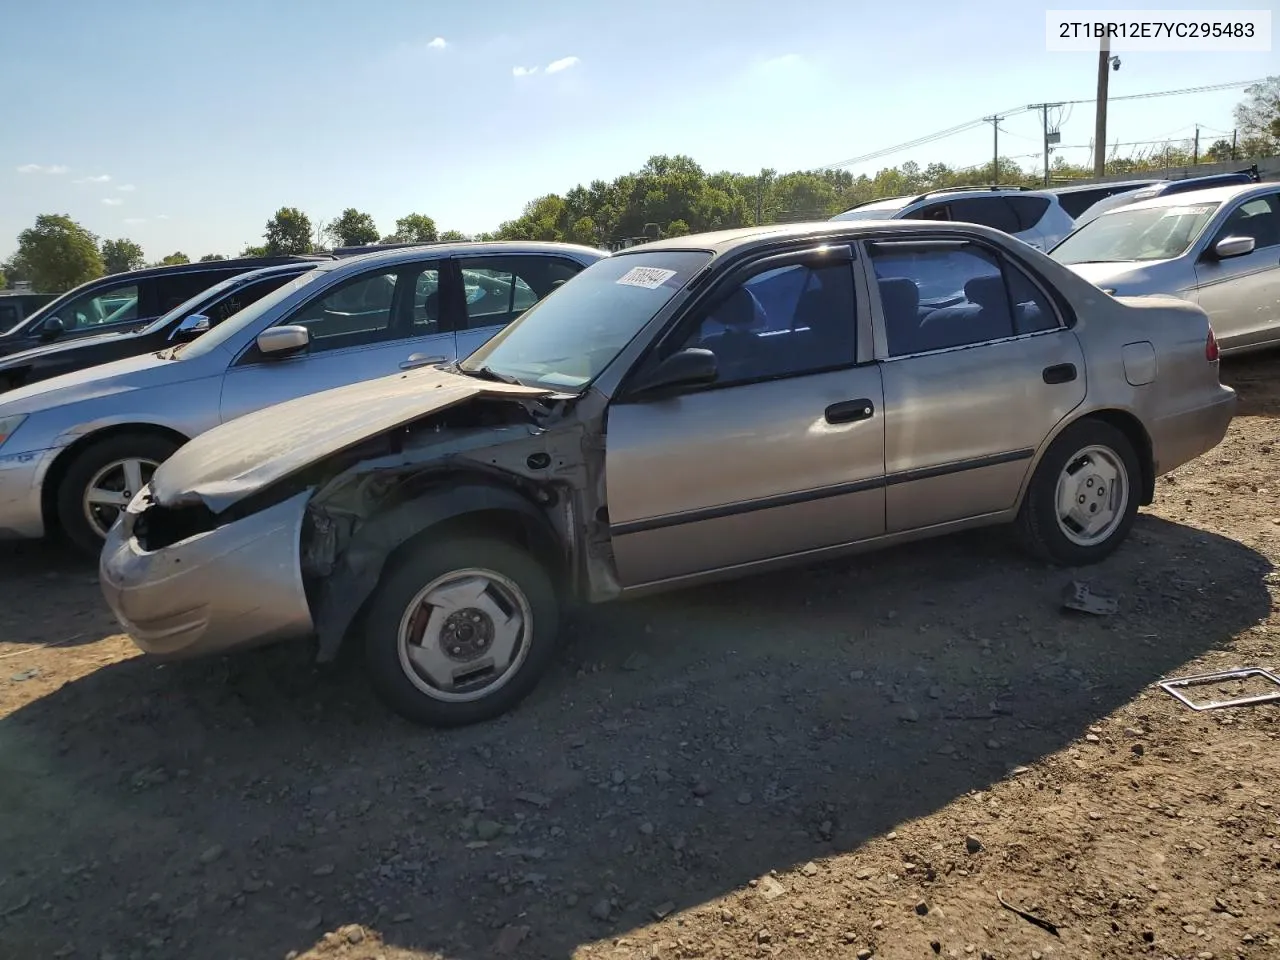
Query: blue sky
(207, 117)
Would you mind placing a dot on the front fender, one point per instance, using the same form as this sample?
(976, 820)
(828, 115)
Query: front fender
(340, 595)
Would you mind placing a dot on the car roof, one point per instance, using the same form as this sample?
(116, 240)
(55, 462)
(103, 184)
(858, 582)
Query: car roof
(724, 241)
(400, 254)
(1206, 195)
(206, 266)
(1118, 186)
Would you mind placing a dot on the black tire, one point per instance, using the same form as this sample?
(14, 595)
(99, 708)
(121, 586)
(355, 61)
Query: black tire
(1037, 524)
(427, 561)
(70, 495)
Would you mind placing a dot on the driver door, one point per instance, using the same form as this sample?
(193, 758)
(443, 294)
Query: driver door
(372, 325)
(1242, 294)
(782, 454)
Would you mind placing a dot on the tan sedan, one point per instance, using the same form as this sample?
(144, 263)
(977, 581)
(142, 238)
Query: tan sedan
(704, 407)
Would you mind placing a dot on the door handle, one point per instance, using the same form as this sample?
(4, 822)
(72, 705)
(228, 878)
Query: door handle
(1060, 373)
(420, 360)
(850, 411)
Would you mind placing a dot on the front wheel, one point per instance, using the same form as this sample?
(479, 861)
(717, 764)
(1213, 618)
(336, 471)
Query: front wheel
(461, 631)
(101, 481)
(1083, 497)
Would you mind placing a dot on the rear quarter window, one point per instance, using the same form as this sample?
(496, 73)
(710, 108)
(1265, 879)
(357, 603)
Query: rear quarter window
(1028, 211)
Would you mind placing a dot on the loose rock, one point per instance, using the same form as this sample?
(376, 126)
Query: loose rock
(972, 844)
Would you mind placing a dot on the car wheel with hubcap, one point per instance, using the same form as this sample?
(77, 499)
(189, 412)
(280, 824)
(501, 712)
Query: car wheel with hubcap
(102, 480)
(1083, 497)
(461, 630)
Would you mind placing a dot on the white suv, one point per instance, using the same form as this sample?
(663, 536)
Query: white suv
(1033, 216)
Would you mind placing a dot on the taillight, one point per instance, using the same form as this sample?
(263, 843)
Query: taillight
(1211, 347)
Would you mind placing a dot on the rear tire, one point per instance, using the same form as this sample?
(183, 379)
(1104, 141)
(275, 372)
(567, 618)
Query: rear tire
(103, 469)
(1083, 498)
(461, 631)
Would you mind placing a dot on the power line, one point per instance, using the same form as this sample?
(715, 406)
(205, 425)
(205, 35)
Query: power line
(1014, 111)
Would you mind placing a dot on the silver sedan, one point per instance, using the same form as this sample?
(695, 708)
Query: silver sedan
(1218, 248)
(74, 449)
(698, 408)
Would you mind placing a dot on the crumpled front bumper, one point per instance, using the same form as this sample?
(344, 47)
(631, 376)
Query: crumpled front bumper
(238, 585)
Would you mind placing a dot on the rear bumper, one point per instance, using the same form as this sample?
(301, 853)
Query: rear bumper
(1183, 436)
(235, 586)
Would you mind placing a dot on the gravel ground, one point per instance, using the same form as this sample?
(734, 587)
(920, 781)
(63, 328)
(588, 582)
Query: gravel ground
(853, 760)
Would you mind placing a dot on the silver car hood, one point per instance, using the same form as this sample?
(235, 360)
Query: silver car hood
(237, 459)
(1108, 273)
(90, 383)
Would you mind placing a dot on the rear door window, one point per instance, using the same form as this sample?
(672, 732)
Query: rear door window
(1028, 211)
(496, 290)
(994, 212)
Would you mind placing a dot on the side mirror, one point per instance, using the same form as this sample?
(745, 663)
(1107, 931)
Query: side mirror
(52, 329)
(191, 327)
(283, 341)
(689, 367)
(1229, 247)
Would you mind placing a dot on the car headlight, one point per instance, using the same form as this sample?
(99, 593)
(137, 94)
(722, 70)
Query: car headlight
(9, 424)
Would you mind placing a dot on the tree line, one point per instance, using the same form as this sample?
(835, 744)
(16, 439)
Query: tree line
(668, 196)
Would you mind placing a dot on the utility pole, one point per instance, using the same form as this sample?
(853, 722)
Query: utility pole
(1048, 138)
(995, 148)
(1106, 63)
(1234, 135)
(1195, 151)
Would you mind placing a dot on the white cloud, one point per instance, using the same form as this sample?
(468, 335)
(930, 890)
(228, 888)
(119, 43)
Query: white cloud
(439, 43)
(162, 216)
(126, 188)
(56, 168)
(786, 60)
(135, 219)
(564, 63)
(36, 168)
(102, 179)
(523, 71)
(112, 201)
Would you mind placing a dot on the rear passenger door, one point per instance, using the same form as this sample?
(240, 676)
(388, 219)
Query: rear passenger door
(497, 289)
(978, 368)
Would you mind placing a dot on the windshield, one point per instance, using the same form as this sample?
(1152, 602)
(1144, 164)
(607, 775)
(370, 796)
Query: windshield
(1150, 233)
(878, 210)
(229, 327)
(567, 339)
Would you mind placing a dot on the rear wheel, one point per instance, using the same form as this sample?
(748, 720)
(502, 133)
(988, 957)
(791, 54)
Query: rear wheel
(461, 631)
(102, 480)
(1084, 496)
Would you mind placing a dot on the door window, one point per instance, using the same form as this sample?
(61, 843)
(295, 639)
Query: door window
(499, 289)
(782, 322)
(1258, 218)
(426, 302)
(101, 308)
(169, 291)
(993, 212)
(939, 296)
(1027, 211)
(356, 313)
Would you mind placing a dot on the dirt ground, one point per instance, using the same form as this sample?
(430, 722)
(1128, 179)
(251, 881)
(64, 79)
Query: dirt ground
(854, 760)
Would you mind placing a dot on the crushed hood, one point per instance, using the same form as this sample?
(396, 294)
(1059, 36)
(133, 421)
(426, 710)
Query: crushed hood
(243, 456)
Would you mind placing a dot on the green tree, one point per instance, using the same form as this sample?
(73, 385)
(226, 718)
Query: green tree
(413, 228)
(677, 228)
(119, 256)
(1219, 152)
(1258, 114)
(288, 232)
(251, 250)
(353, 229)
(58, 254)
(175, 259)
(454, 235)
(210, 257)
(4, 281)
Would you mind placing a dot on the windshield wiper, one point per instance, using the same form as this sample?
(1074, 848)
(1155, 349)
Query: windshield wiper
(488, 373)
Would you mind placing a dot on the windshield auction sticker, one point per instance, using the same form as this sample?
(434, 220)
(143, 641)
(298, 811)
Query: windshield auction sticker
(648, 277)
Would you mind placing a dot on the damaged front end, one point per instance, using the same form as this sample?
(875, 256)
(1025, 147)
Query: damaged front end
(305, 553)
